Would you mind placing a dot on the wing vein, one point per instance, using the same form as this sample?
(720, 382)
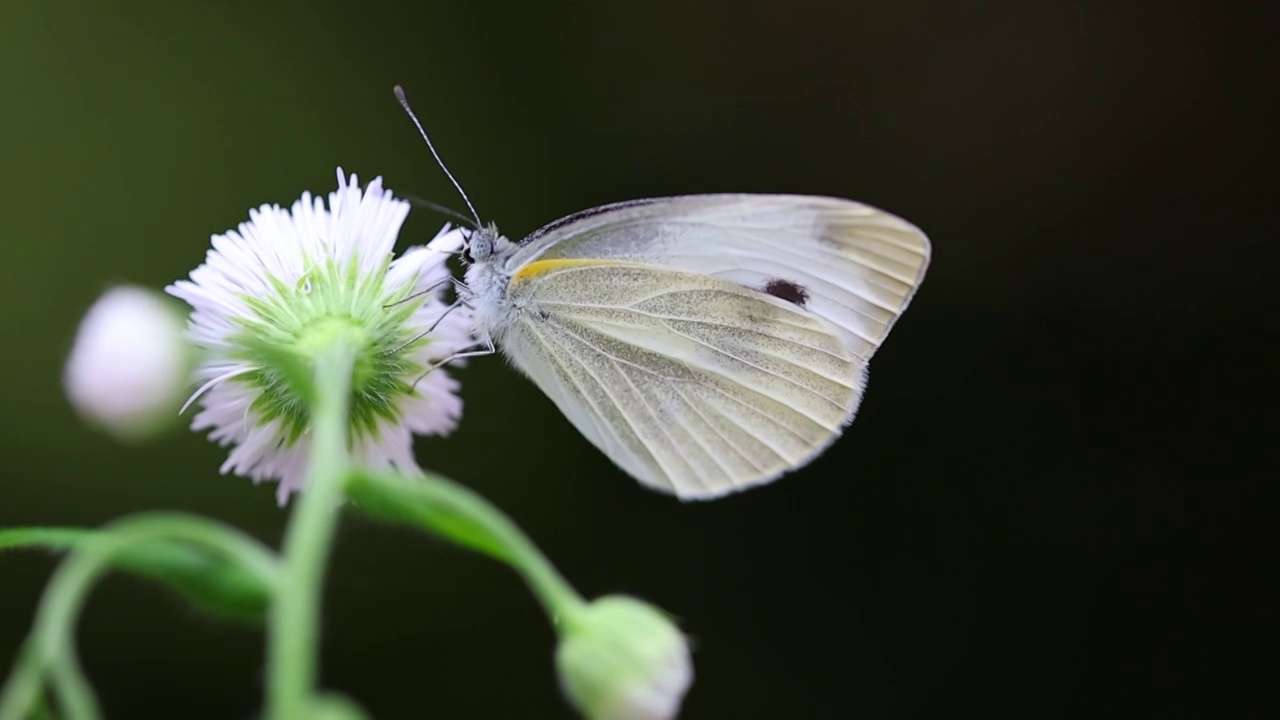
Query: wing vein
(665, 317)
(763, 441)
(769, 240)
(764, 370)
(588, 343)
(696, 476)
(741, 453)
(600, 415)
(700, 369)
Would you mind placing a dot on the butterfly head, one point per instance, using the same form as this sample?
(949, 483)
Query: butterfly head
(482, 244)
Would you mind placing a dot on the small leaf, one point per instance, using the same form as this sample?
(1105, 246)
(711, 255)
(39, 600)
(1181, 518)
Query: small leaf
(211, 581)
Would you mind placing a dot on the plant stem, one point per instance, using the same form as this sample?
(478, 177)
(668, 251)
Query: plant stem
(51, 640)
(58, 537)
(458, 513)
(558, 598)
(293, 630)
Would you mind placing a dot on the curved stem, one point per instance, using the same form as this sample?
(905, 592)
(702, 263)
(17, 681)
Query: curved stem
(293, 637)
(74, 693)
(51, 640)
(561, 602)
(465, 517)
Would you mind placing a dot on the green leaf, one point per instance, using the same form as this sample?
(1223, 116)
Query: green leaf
(211, 581)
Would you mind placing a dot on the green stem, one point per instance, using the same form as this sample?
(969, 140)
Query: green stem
(75, 694)
(467, 518)
(56, 537)
(561, 602)
(293, 636)
(51, 645)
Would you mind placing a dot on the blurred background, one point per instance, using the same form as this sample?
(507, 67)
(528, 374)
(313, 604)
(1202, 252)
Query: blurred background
(1046, 508)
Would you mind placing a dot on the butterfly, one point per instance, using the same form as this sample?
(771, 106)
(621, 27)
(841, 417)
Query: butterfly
(705, 343)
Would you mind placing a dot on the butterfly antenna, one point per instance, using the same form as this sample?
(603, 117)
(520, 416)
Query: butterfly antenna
(404, 103)
(414, 199)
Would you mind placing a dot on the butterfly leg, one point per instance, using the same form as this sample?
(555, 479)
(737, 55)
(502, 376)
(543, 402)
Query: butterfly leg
(480, 349)
(456, 304)
(457, 287)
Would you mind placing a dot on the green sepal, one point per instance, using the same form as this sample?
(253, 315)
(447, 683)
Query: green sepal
(287, 366)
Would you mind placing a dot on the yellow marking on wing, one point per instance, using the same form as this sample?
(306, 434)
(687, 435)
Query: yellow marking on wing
(542, 267)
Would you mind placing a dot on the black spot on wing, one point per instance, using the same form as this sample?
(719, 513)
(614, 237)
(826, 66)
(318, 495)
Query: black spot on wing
(787, 290)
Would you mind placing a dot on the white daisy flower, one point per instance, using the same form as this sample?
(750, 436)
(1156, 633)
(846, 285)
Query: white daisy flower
(290, 277)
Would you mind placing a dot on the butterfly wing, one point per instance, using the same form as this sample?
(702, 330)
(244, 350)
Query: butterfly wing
(850, 264)
(693, 384)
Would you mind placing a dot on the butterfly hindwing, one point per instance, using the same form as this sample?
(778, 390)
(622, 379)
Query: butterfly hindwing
(695, 385)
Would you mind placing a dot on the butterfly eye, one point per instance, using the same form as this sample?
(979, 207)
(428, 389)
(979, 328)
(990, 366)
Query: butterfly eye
(480, 247)
(466, 245)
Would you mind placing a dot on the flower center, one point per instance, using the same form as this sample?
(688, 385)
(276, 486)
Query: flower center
(303, 319)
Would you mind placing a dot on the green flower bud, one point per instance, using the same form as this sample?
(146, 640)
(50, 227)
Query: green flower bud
(622, 659)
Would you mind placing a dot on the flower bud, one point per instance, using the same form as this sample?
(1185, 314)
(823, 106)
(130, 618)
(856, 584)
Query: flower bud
(622, 659)
(130, 364)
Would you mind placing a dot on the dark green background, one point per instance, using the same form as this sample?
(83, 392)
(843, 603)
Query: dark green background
(1044, 508)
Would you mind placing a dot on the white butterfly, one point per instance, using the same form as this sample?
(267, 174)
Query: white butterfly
(705, 343)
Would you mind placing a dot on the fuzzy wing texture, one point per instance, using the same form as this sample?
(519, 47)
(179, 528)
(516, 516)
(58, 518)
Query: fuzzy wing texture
(855, 266)
(694, 385)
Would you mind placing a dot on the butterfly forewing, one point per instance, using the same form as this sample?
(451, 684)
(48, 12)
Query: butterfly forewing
(853, 265)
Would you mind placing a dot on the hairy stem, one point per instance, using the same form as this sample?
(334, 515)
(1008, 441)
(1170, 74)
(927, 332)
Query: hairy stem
(293, 630)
